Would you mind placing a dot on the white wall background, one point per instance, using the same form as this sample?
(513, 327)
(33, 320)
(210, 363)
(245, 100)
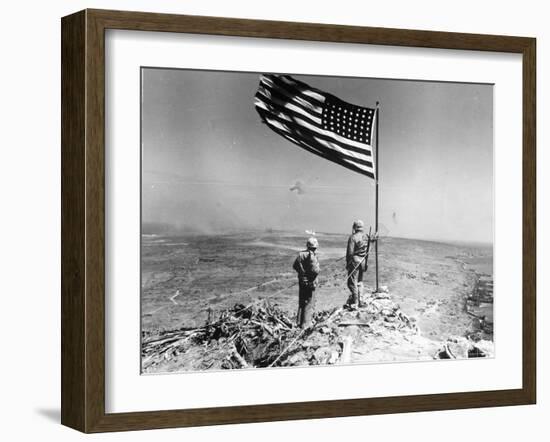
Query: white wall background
(30, 216)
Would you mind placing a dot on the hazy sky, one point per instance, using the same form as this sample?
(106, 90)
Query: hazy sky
(209, 164)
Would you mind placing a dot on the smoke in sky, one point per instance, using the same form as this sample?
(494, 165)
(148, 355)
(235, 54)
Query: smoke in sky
(299, 187)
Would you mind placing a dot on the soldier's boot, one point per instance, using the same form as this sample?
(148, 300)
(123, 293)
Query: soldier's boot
(360, 299)
(352, 302)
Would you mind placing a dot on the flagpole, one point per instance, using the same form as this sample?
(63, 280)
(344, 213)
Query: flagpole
(377, 174)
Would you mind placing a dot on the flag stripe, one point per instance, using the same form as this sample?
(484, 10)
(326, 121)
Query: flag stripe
(312, 138)
(281, 95)
(292, 88)
(308, 90)
(295, 97)
(304, 89)
(318, 122)
(280, 100)
(364, 149)
(315, 137)
(286, 112)
(324, 155)
(272, 99)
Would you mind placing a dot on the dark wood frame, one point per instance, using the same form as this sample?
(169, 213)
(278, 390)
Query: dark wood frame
(83, 217)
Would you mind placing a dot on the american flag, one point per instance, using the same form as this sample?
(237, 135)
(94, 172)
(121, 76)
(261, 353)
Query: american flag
(317, 121)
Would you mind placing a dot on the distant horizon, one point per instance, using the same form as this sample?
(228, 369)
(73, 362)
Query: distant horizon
(175, 233)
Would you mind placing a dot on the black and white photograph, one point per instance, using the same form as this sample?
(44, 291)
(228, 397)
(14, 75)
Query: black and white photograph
(292, 220)
(249, 221)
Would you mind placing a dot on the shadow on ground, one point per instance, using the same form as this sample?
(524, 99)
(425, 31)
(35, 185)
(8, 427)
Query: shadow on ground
(51, 414)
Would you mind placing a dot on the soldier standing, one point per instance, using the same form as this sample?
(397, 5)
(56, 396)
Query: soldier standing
(356, 262)
(307, 267)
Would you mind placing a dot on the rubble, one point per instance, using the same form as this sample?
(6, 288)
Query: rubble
(479, 305)
(242, 336)
(262, 335)
(464, 348)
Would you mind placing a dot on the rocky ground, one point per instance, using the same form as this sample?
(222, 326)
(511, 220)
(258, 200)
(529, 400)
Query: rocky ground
(188, 282)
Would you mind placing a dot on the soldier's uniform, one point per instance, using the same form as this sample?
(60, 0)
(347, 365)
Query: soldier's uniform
(307, 267)
(356, 262)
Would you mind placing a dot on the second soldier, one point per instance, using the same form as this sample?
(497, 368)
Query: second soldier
(307, 266)
(356, 262)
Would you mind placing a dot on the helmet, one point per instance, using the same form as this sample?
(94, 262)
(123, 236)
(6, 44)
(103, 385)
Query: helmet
(358, 225)
(312, 243)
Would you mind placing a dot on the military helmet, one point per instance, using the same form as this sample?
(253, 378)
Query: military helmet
(312, 243)
(358, 225)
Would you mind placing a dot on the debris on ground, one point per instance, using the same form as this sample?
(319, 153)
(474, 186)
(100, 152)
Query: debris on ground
(242, 336)
(261, 334)
(463, 348)
(479, 305)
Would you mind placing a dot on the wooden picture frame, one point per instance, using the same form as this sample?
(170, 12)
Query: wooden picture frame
(83, 220)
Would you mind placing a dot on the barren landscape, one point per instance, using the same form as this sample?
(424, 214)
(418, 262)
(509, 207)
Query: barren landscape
(443, 290)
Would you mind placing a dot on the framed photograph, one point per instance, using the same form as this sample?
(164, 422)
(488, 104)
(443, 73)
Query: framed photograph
(267, 221)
